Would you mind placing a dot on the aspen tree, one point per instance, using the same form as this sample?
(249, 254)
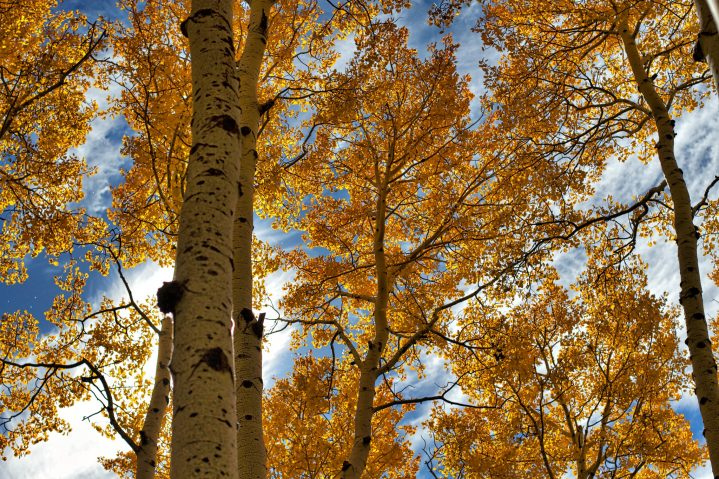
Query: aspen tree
(646, 78)
(704, 368)
(157, 407)
(155, 62)
(403, 203)
(585, 382)
(248, 328)
(204, 428)
(707, 46)
(309, 424)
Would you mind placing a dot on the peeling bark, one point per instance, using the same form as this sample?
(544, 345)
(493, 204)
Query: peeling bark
(248, 329)
(160, 398)
(704, 369)
(204, 429)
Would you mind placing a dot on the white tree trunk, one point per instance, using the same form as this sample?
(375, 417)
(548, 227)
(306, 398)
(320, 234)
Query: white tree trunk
(204, 429)
(704, 368)
(248, 329)
(708, 38)
(160, 398)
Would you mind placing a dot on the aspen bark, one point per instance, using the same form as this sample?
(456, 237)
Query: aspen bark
(248, 329)
(204, 430)
(708, 38)
(704, 368)
(355, 464)
(160, 398)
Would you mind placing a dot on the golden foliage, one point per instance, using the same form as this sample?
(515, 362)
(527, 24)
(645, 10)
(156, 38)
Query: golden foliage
(584, 382)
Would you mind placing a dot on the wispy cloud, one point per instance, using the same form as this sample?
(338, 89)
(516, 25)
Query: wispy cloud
(101, 150)
(66, 456)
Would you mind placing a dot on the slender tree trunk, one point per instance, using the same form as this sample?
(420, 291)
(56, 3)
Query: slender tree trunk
(708, 38)
(355, 464)
(248, 329)
(704, 368)
(204, 430)
(160, 398)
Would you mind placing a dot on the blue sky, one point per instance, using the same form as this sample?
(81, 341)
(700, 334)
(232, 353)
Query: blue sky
(74, 456)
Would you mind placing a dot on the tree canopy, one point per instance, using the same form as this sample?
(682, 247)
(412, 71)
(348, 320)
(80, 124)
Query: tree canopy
(470, 285)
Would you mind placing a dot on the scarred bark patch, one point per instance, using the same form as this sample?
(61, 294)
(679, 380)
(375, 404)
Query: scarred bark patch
(216, 359)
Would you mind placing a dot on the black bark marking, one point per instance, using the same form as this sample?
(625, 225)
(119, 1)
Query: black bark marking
(214, 172)
(216, 359)
(247, 315)
(690, 293)
(258, 327)
(248, 417)
(698, 316)
(196, 146)
(194, 17)
(263, 24)
(701, 345)
(245, 130)
(226, 122)
(266, 106)
(247, 383)
(366, 440)
(168, 295)
(144, 440)
(346, 465)
(183, 27)
(698, 52)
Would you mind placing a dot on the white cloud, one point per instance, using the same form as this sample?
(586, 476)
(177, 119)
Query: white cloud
(277, 357)
(703, 472)
(143, 280)
(71, 456)
(346, 49)
(102, 151)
